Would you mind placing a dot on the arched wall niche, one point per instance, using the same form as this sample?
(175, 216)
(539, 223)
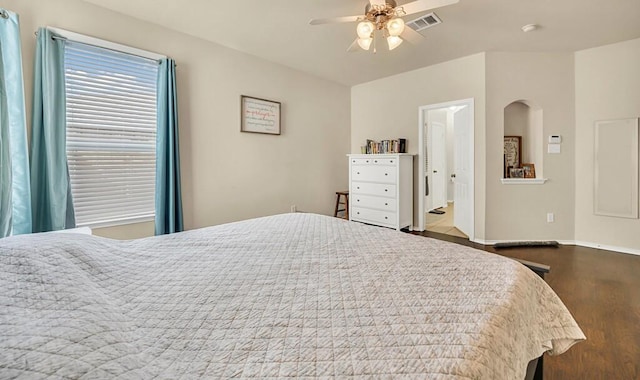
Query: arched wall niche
(524, 118)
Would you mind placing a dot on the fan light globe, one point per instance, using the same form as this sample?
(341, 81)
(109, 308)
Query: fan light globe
(395, 27)
(394, 42)
(365, 43)
(365, 29)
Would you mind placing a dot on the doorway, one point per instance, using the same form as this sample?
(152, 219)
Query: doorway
(446, 168)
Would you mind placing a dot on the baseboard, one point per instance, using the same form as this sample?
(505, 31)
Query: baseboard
(606, 247)
(492, 242)
(573, 242)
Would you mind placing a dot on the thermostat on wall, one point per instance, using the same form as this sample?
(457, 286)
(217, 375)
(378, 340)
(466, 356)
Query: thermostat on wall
(555, 139)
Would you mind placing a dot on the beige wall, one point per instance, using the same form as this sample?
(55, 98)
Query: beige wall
(388, 108)
(607, 81)
(519, 212)
(226, 175)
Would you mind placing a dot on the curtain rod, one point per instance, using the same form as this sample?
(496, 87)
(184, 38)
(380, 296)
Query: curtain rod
(61, 38)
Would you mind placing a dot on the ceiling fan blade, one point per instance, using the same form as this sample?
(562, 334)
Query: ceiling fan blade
(424, 5)
(335, 20)
(412, 36)
(354, 47)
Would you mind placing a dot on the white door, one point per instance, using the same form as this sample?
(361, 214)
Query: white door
(438, 144)
(463, 169)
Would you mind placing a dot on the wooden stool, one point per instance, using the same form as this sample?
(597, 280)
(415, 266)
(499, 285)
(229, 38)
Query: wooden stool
(339, 195)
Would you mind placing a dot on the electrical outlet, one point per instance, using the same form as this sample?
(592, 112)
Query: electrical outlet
(294, 208)
(550, 217)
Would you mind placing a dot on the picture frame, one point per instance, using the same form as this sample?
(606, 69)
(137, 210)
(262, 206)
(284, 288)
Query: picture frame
(259, 115)
(516, 173)
(512, 151)
(529, 170)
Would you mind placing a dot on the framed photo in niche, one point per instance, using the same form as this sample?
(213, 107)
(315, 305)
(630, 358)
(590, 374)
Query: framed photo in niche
(516, 172)
(529, 170)
(512, 151)
(259, 115)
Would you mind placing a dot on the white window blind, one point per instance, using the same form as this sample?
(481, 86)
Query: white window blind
(111, 134)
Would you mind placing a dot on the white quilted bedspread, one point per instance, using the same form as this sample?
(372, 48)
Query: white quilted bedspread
(296, 295)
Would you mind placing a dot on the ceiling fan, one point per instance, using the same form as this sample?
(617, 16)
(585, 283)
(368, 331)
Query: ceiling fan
(385, 17)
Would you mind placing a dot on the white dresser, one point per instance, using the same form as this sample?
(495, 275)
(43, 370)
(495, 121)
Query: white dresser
(381, 189)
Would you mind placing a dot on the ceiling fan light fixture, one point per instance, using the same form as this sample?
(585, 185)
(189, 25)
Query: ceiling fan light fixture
(395, 26)
(365, 43)
(394, 42)
(365, 29)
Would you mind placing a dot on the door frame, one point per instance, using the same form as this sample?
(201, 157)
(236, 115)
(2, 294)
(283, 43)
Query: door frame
(422, 111)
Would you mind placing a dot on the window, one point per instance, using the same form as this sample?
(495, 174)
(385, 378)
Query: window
(111, 134)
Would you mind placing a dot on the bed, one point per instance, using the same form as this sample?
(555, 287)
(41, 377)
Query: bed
(292, 295)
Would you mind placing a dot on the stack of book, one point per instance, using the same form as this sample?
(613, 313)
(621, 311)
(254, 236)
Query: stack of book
(385, 146)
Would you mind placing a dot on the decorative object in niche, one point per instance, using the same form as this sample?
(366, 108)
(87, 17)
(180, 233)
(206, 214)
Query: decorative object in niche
(529, 170)
(505, 167)
(516, 172)
(512, 149)
(259, 115)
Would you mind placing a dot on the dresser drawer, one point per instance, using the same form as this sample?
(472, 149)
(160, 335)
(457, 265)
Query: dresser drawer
(379, 189)
(368, 201)
(374, 161)
(373, 173)
(373, 216)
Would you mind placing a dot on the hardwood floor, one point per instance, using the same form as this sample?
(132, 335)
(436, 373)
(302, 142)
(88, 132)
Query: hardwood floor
(601, 289)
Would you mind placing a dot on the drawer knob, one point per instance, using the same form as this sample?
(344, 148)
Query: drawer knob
(384, 190)
(358, 172)
(386, 204)
(358, 187)
(367, 161)
(384, 173)
(376, 161)
(386, 217)
(391, 161)
(358, 212)
(357, 200)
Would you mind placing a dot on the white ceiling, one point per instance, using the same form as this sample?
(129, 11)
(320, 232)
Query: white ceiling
(278, 30)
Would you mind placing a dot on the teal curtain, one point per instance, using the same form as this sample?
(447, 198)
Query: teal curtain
(50, 187)
(15, 196)
(168, 194)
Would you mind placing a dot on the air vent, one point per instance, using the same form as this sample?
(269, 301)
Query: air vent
(424, 22)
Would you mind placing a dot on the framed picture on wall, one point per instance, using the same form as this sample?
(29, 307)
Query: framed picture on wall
(529, 170)
(512, 151)
(259, 115)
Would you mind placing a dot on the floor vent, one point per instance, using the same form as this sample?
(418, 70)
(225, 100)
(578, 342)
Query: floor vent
(424, 22)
